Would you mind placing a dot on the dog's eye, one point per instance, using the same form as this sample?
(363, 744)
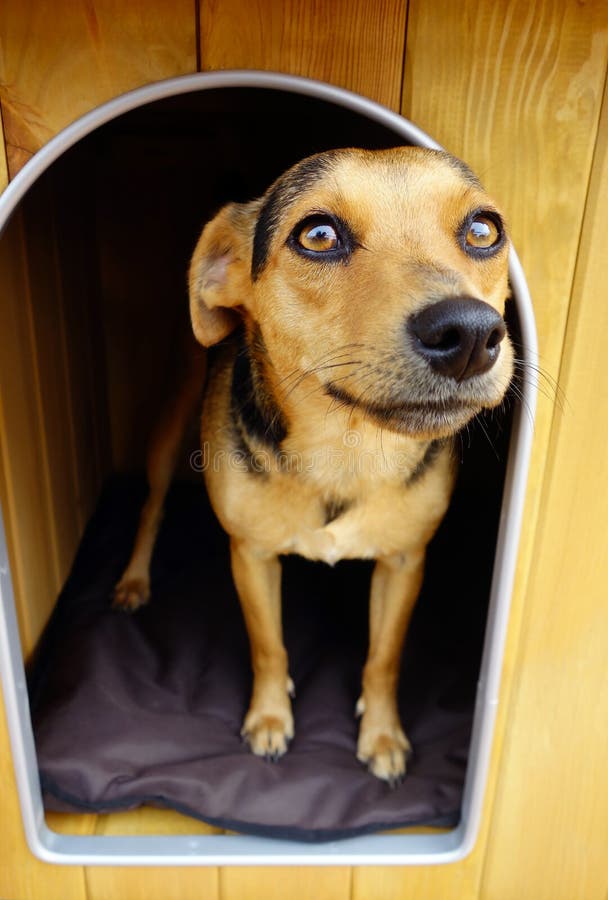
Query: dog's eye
(482, 231)
(318, 237)
(323, 238)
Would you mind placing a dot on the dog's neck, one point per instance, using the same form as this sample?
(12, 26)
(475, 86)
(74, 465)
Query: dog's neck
(285, 418)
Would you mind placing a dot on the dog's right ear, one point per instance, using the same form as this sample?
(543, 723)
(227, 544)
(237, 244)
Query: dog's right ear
(220, 272)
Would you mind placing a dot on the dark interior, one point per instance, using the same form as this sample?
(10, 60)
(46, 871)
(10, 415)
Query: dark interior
(147, 708)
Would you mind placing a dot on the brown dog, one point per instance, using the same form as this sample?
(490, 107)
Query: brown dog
(367, 292)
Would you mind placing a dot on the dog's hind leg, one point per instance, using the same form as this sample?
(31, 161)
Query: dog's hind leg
(133, 589)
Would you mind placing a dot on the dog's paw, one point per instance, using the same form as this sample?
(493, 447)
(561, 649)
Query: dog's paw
(268, 733)
(385, 752)
(131, 593)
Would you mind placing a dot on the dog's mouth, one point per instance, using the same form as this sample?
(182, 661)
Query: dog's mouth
(432, 417)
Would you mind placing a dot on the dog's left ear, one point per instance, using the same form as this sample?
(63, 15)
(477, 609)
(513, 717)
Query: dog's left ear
(220, 272)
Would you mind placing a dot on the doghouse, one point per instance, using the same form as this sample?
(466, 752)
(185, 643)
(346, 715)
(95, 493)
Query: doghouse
(226, 108)
(93, 410)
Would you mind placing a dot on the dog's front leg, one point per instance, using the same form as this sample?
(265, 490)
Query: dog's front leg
(268, 725)
(382, 745)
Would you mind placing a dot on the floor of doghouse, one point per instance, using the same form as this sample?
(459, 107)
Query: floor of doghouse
(146, 709)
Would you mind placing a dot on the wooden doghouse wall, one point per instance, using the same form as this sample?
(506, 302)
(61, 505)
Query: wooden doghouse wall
(518, 90)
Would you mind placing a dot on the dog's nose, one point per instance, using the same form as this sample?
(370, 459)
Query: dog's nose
(459, 337)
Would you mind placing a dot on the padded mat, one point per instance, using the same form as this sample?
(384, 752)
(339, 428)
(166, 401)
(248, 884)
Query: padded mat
(147, 708)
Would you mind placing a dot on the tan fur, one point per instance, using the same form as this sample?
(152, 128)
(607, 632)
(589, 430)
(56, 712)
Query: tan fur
(343, 322)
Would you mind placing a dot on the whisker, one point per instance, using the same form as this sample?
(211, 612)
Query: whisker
(536, 366)
(309, 372)
(326, 361)
(514, 392)
(370, 371)
(328, 357)
(549, 387)
(485, 432)
(547, 393)
(320, 388)
(300, 374)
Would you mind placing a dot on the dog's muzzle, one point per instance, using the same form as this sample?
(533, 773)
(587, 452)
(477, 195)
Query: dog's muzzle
(458, 337)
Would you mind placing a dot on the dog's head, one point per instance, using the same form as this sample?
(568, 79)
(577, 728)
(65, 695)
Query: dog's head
(379, 276)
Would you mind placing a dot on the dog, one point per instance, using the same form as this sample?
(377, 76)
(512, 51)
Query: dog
(359, 308)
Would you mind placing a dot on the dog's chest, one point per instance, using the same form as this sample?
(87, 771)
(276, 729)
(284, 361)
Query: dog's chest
(353, 534)
(355, 522)
(329, 493)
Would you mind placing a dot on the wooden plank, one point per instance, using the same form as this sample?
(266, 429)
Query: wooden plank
(24, 486)
(71, 823)
(22, 877)
(533, 70)
(278, 883)
(86, 430)
(150, 820)
(3, 159)
(35, 111)
(352, 44)
(555, 778)
(515, 90)
(349, 43)
(49, 449)
(61, 59)
(139, 883)
(33, 524)
(50, 355)
(419, 883)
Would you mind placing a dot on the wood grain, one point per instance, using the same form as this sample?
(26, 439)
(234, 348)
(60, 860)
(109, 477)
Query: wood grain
(59, 60)
(51, 420)
(24, 474)
(359, 46)
(428, 882)
(3, 159)
(71, 823)
(22, 877)
(555, 777)
(515, 90)
(139, 883)
(51, 352)
(75, 253)
(281, 882)
(349, 43)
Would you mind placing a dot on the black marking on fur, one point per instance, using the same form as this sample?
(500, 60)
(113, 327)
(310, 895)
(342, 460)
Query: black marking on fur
(461, 167)
(430, 455)
(255, 412)
(254, 463)
(334, 508)
(281, 195)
